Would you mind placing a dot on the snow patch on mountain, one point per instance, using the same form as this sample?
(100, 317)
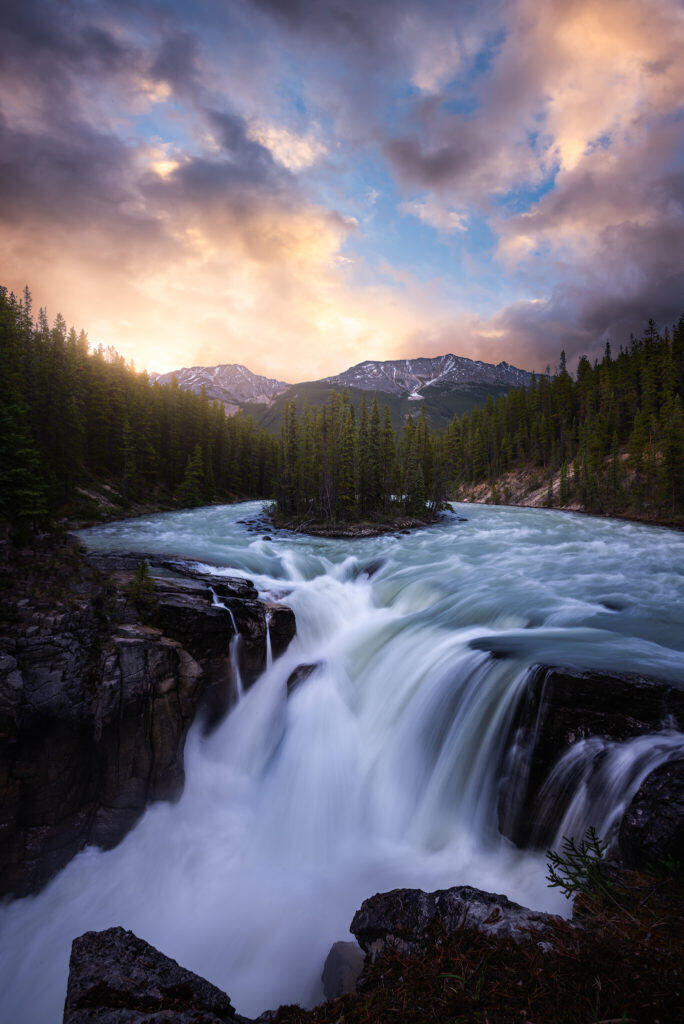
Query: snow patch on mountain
(411, 376)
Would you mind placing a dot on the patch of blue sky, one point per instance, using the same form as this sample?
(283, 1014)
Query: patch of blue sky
(600, 142)
(395, 246)
(523, 198)
(487, 54)
(463, 106)
(166, 123)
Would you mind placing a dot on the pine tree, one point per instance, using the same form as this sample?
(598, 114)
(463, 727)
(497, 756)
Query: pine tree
(22, 495)
(375, 483)
(346, 496)
(563, 492)
(388, 459)
(191, 491)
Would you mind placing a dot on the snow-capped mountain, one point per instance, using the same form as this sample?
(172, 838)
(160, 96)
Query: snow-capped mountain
(411, 377)
(230, 383)
(447, 385)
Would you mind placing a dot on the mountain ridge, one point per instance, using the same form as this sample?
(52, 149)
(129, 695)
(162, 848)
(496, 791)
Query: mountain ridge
(407, 380)
(448, 384)
(233, 384)
(412, 375)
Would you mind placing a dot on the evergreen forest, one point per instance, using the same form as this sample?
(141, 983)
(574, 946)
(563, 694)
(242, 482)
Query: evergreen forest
(609, 439)
(71, 419)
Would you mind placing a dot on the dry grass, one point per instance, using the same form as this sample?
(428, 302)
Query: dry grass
(623, 965)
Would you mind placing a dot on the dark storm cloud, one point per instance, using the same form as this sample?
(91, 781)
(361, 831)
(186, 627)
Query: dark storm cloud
(250, 161)
(432, 168)
(349, 22)
(62, 177)
(61, 169)
(178, 63)
(637, 273)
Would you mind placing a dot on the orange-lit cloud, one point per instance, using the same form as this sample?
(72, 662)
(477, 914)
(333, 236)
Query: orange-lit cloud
(240, 185)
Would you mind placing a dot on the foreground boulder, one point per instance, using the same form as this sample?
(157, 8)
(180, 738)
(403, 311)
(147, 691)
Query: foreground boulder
(342, 969)
(117, 978)
(558, 708)
(460, 954)
(99, 684)
(652, 830)
(404, 919)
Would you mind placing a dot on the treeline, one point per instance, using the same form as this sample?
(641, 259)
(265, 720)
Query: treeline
(337, 466)
(610, 440)
(70, 419)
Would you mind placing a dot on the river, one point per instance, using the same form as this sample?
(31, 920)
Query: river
(380, 770)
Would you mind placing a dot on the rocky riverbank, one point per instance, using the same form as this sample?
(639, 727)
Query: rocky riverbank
(528, 487)
(459, 954)
(100, 680)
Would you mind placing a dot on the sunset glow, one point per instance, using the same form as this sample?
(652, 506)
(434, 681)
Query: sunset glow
(298, 186)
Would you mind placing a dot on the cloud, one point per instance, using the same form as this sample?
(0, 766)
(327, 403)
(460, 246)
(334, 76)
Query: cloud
(437, 214)
(293, 151)
(202, 175)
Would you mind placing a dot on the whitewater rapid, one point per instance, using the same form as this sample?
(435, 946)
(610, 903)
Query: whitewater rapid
(380, 770)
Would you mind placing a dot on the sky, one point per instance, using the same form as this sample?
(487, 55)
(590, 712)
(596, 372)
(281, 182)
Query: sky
(299, 185)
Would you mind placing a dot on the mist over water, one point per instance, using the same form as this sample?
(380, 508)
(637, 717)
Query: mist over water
(381, 769)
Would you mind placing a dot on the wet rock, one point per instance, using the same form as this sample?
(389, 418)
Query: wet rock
(95, 705)
(121, 561)
(342, 969)
(225, 586)
(146, 703)
(184, 610)
(117, 978)
(300, 675)
(652, 830)
(282, 627)
(558, 708)
(92, 730)
(372, 567)
(405, 918)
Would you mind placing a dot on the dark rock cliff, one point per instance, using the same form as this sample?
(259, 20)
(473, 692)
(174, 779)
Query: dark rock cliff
(652, 829)
(95, 704)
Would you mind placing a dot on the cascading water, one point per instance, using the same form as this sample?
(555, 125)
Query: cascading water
(233, 648)
(269, 646)
(593, 783)
(379, 770)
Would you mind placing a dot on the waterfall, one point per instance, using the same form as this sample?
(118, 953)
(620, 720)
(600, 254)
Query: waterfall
(233, 647)
(380, 769)
(269, 650)
(595, 780)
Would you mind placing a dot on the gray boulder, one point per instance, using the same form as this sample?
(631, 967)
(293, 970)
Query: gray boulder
(342, 969)
(402, 919)
(117, 978)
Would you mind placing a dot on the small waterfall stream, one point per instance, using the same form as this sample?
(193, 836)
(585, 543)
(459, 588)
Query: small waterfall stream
(595, 780)
(233, 647)
(269, 646)
(380, 769)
